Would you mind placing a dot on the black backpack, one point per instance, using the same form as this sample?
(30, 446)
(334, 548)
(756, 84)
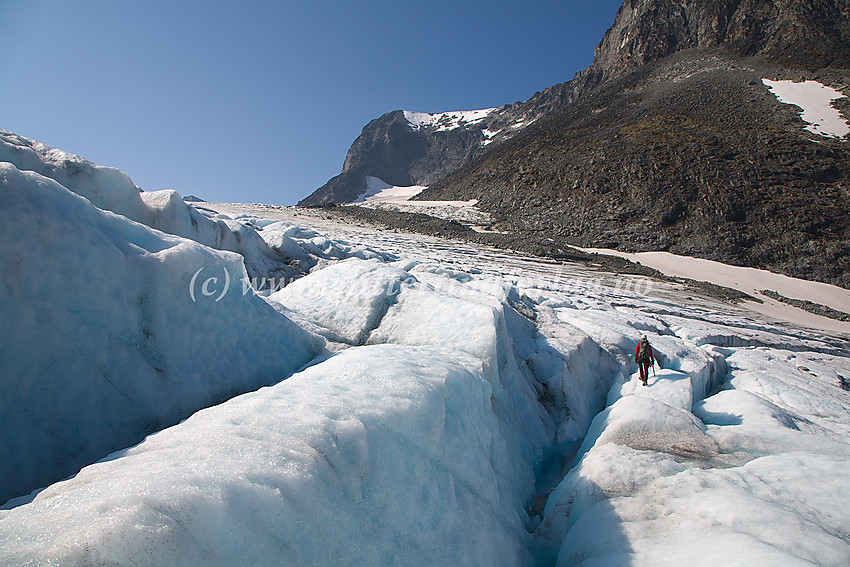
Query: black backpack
(643, 352)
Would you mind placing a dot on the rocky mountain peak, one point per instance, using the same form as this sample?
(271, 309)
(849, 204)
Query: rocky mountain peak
(804, 33)
(416, 148)
(670, 140)
(404, 148)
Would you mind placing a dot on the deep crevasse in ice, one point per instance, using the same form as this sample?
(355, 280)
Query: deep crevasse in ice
(418, 446)
(752, 472)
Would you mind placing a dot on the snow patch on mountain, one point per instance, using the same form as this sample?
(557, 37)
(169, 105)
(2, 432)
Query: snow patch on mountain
(445, 121)
(488, 136)
(815, 100)
(378, 190)
(382, 195)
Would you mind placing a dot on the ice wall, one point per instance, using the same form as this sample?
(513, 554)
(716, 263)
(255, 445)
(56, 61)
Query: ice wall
(101, 340)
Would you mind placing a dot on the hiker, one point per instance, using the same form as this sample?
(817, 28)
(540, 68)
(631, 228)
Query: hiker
(644, 358)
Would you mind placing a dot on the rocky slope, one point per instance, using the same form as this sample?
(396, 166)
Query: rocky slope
(691, 154)
(674, 143)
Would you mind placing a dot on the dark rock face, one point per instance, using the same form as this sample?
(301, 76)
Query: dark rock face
(807, 33)
(673, 142)
(402, 153)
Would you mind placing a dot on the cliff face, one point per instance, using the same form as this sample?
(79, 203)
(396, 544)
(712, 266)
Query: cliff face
(802, 33)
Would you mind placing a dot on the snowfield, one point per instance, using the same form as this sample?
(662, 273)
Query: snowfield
(815, 102)
(412, 401)
(753, 282)
(378, 190)
(382, 195)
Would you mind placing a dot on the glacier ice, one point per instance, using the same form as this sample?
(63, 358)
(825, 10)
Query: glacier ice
(112, 190)
(101, 342)
(447, 403)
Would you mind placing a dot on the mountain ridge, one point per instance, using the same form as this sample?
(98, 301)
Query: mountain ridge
(706, 162)
(811, 33)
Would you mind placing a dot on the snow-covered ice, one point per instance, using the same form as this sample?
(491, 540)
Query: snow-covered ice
(380, 455)
(101, 342)
(418, 449)
(815, 100)
(347, 300)
(447, 404)
(112, 190)
(739, 470)
(752, 281)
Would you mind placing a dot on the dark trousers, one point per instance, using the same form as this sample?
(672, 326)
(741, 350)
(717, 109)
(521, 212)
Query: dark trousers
(644, 370)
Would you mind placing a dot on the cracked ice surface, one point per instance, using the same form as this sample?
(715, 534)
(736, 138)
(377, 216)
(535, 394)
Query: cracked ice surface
(458, 386)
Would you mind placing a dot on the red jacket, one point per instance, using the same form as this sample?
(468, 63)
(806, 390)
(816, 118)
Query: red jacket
(651, 356)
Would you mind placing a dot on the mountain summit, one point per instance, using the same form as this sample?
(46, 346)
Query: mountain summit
(405, 148)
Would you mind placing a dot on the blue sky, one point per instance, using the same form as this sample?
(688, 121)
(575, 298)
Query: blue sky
(258, 101)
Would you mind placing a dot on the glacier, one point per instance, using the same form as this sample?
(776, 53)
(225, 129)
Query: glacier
(404, 399)
(101, 343)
